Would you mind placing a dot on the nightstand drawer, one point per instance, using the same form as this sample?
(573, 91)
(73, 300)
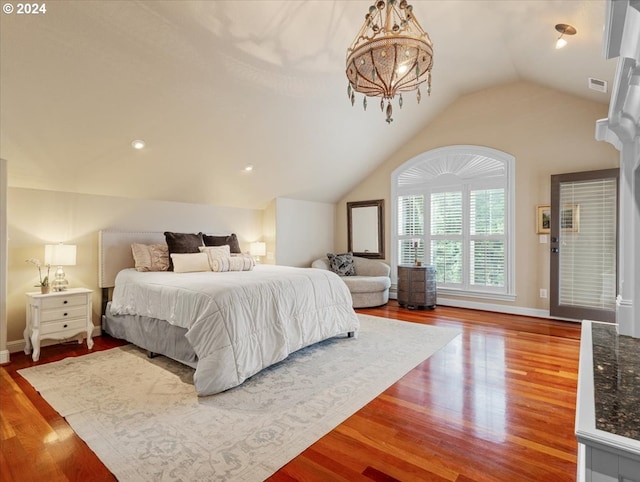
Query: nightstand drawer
(63, 301)
(61, 314)
(72, 326)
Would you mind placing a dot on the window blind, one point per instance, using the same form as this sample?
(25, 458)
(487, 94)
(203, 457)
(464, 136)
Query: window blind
(587, 260)
(446, 237)
(487, 242)
(410, 228)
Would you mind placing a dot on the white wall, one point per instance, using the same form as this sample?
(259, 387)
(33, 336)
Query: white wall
(622, 129)
(304, 231)
(37, 217)
(4, 353)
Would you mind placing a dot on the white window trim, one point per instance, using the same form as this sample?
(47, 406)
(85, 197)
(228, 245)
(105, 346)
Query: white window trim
(510, 254)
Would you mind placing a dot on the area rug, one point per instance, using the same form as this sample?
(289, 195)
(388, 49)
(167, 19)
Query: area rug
(143, 419)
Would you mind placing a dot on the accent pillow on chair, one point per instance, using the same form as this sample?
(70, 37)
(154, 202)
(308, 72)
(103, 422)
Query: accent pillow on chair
(342, 264)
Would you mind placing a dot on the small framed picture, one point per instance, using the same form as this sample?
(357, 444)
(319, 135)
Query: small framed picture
(543, 219)
(570, 218)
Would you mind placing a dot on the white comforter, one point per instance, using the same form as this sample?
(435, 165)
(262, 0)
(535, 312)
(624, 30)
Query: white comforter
(240, 322)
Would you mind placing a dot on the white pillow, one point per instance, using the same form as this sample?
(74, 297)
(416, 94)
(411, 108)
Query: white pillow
(246, 261)
(214, 253)
(221, 259)
(190, 262)
(233, 263)
(223, 251)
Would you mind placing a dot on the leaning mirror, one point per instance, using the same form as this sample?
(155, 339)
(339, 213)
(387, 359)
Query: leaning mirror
(365, 223)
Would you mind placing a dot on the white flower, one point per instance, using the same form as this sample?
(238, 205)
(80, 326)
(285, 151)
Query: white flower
(34, 261)
(43, 281)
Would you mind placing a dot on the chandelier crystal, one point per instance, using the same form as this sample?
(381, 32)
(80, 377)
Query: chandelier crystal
(390, 55)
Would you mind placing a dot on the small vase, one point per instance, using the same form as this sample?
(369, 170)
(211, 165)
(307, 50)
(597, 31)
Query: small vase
(44, 289)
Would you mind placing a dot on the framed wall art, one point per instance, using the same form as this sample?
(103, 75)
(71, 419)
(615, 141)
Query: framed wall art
(570, 218)
(543, 219)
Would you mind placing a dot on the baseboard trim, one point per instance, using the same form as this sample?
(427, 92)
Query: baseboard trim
(18, 345)
(4, 357)
(477, 305)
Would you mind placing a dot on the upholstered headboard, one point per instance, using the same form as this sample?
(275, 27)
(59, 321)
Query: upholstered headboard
(114, 252)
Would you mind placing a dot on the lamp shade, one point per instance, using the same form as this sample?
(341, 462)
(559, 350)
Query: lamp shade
(60, 254)
(258, 249)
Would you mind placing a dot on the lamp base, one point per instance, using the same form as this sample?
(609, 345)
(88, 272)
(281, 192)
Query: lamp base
(60, 283)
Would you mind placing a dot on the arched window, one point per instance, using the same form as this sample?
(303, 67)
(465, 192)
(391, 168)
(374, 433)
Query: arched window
(453, 208)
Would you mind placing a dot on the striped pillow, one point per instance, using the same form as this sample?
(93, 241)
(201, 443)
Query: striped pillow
(220, 259)
(233, 263)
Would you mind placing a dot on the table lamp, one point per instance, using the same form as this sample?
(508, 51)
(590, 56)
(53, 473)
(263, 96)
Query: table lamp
(60, 255)
(258, 249)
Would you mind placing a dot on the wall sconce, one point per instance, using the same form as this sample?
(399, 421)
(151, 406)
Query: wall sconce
(258, 249)
(60, 255)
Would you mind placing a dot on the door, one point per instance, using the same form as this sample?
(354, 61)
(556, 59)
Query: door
(584, 240)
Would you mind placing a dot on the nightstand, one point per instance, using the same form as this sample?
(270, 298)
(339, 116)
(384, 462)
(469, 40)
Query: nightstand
(59, 315)
(416, 286)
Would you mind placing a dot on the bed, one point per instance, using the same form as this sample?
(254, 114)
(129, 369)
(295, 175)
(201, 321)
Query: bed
(226, 325)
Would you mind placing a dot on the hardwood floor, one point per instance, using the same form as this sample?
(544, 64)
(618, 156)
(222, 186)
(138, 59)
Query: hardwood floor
(496, 404)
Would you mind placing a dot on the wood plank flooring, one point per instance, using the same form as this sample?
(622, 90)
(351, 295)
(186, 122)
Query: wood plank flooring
(496, 404)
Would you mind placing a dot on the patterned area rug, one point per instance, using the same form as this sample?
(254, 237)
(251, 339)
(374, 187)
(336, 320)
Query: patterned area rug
(144, 421)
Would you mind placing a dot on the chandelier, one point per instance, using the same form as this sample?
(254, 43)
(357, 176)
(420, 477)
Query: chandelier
(391, 54)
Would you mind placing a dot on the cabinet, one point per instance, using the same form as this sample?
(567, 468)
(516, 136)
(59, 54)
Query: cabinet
(60, 315)
(416, 286)
(607, 376)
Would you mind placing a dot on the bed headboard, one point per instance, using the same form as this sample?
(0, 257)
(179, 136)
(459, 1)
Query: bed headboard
(114, 252)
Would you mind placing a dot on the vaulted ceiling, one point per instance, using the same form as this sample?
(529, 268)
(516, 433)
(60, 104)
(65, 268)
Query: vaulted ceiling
(214, 86)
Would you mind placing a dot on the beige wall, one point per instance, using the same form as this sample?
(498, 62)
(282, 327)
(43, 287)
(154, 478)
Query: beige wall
(304, 231)
(547, 131)
(36, 218)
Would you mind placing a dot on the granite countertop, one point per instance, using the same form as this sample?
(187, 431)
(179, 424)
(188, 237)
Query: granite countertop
(616, 379)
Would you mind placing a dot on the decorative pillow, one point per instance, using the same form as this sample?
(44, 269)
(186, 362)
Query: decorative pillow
(342, 264)
(248, 262)
(233, 263)
(190, 262)
(182, 243)
(221, 259)
(150, 257)
(231, 240)
(216, 251)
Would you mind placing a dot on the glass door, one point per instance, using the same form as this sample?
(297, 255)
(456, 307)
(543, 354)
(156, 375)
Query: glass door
(584, 240)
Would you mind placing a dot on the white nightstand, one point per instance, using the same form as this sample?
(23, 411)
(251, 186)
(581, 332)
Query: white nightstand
(59, 315)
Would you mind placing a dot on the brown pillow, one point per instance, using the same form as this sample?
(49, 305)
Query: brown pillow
(231, 240)
(182, 243)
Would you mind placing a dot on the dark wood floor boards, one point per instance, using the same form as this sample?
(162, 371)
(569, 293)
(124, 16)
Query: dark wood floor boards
(497, 404)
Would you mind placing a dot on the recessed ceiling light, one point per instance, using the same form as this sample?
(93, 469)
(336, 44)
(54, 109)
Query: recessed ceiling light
(248, 168)
(138, 144)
